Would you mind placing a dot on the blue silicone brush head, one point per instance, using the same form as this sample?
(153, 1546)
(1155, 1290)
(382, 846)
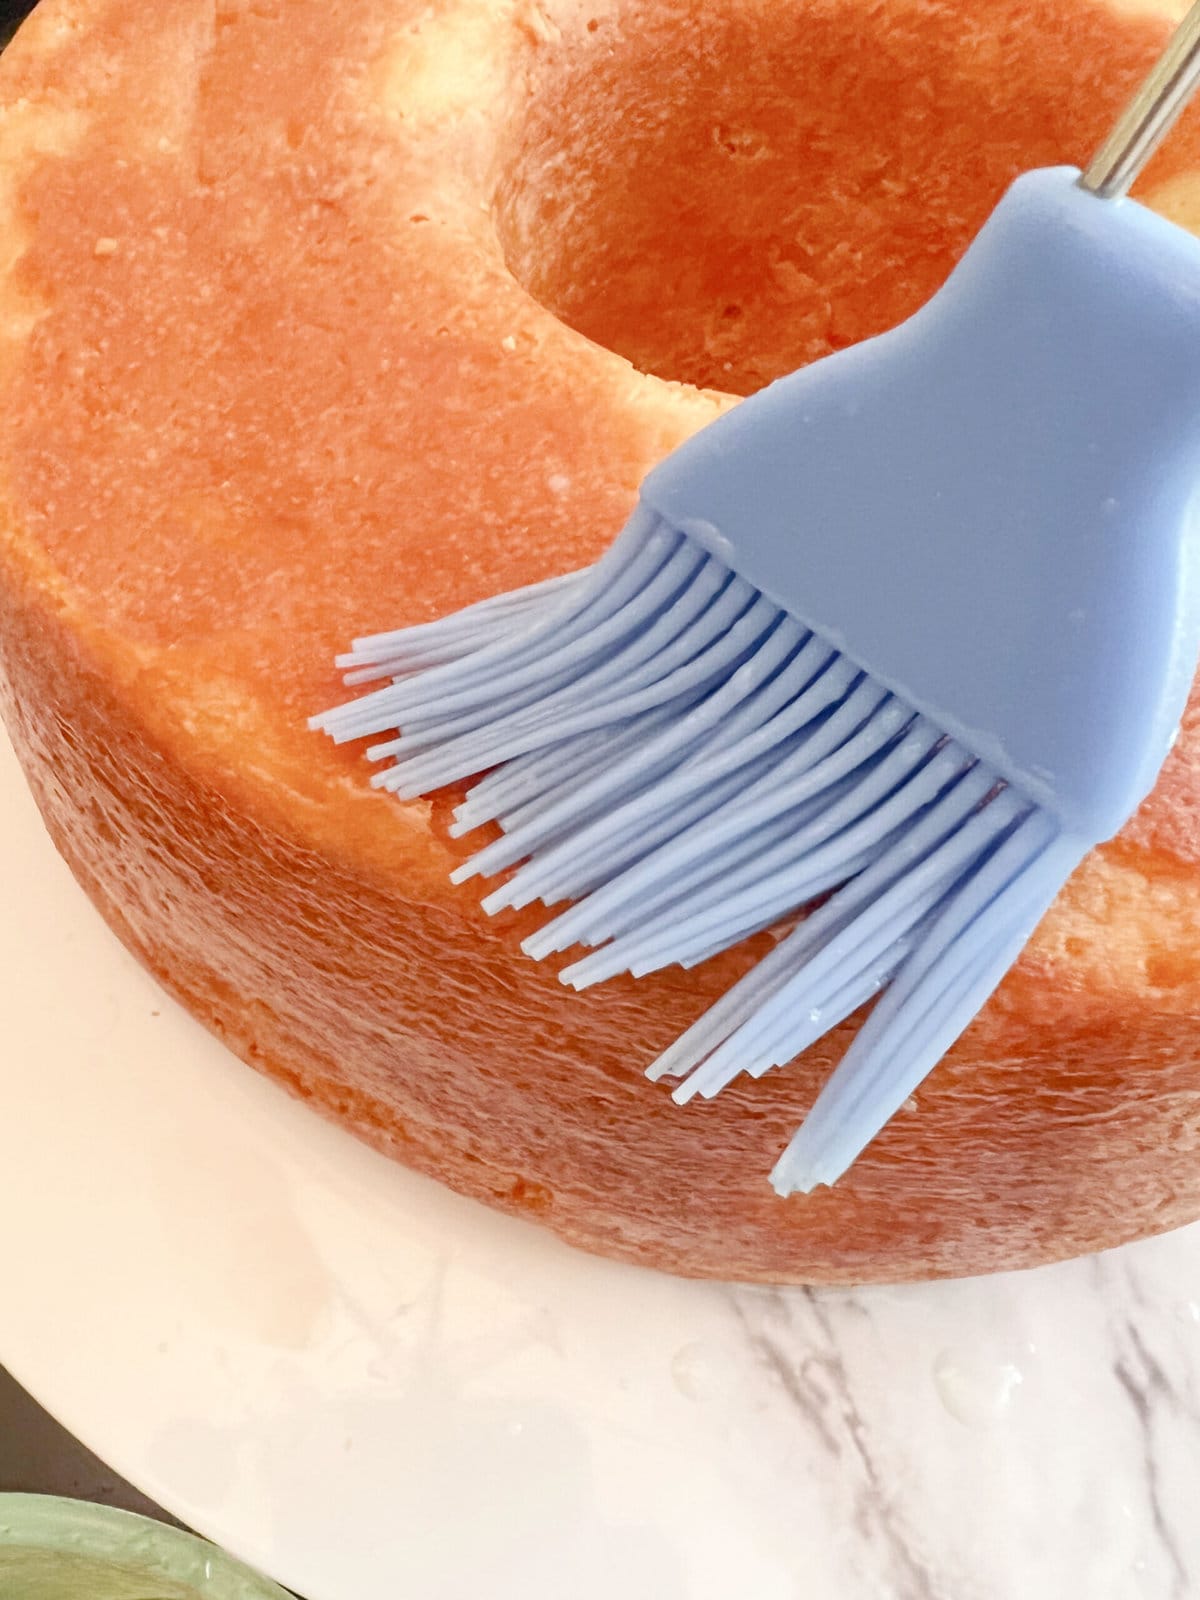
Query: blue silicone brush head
(901, 637)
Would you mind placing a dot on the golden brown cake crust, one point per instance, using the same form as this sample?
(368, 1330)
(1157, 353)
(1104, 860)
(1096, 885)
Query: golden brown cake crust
(267, 381)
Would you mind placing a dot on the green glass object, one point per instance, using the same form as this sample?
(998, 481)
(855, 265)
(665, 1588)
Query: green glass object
(53, 1549)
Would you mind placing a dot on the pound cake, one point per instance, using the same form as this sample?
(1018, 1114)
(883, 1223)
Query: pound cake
(318, 317)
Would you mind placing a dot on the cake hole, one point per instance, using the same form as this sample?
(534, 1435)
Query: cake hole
(732, 191)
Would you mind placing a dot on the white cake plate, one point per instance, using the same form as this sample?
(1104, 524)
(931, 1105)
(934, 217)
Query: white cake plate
(374, 1390)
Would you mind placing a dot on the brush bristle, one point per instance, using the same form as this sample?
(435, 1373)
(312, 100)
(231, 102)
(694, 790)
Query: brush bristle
(681, 763)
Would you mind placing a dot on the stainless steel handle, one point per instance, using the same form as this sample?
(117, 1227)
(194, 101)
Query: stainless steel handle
(1150, 115)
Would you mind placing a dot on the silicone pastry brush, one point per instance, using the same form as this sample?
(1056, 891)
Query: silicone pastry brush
(911, 629)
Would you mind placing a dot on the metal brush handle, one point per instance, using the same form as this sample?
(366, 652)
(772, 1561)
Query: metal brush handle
(1150, 115)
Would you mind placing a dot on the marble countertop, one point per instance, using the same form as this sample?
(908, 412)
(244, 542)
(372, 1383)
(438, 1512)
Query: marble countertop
(369, 1387)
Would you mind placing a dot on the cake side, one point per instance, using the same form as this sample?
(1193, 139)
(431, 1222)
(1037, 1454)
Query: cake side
(1040, 1136)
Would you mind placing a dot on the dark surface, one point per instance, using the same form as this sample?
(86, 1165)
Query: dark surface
(37, 1456)
(11, 12)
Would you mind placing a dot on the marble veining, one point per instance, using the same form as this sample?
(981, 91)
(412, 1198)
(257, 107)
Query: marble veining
(1162, 1392)
(818, 1384)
